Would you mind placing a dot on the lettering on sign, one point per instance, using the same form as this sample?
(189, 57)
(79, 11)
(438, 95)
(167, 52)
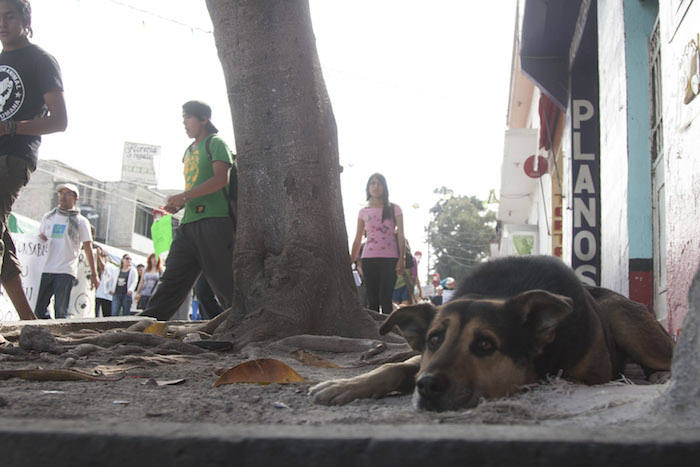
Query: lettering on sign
(586, 188)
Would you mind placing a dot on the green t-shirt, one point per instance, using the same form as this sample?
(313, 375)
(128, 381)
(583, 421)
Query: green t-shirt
(198, 169)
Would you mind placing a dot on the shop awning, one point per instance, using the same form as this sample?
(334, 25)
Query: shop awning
(547, 31)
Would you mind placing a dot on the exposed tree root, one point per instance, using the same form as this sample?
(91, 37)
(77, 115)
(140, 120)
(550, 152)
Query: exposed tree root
(141, 325)
(53, 375)
(399, 357)
(149, 340)
(208, 327)
(153, 360)
(83, 350)
(16, 351)
(334, 344)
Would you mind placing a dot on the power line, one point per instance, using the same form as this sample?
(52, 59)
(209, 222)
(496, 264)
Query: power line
(116, 193)
(163, 18)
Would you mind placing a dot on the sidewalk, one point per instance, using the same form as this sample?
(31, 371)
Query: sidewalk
(79, 443)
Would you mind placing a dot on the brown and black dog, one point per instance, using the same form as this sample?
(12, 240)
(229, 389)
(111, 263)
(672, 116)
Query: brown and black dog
(515, 321)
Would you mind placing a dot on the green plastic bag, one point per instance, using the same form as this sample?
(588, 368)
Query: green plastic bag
(162, 234)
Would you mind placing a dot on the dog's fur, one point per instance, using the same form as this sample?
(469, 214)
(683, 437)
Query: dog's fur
(515, 321)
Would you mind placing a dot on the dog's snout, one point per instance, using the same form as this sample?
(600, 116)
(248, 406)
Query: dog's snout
(430, 385)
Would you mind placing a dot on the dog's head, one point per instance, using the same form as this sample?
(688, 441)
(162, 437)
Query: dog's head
(477, 348)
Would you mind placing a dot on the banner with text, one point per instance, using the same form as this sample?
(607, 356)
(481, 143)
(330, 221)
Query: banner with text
(31, 252)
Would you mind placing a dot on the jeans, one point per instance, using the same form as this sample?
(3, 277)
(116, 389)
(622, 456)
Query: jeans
(59, 286)
(121, 304)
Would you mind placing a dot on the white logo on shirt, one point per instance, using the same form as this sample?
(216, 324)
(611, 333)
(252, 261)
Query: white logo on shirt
(11, 92)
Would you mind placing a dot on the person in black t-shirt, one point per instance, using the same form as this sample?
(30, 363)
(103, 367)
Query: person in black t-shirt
(31, 105)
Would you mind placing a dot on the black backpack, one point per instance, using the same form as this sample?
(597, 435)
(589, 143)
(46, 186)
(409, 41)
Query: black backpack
(232, 194)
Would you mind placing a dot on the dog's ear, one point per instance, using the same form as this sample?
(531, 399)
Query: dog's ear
(413, 321)
(540, 314)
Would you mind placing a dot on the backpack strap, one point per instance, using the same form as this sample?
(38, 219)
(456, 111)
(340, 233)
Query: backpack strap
(207, 148)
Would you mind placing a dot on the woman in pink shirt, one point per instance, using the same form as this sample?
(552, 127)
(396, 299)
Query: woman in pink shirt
(383, 256)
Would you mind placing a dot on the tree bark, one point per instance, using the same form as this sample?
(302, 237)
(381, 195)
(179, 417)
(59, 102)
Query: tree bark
(291, 264)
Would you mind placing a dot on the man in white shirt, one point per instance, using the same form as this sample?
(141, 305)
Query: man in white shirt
(65, 230)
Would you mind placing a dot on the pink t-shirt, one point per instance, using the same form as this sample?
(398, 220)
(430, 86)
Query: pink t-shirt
(381, 241)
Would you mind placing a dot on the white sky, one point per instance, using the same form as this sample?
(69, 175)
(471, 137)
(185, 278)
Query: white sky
(419, 89)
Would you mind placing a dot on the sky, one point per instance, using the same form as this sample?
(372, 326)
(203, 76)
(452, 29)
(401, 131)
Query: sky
(419, 90)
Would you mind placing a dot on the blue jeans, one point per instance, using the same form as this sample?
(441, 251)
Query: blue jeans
(121, 304)
(59, 286)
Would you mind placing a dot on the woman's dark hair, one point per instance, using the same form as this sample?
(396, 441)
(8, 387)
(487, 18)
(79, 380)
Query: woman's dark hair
(25, 11)
(388, 210)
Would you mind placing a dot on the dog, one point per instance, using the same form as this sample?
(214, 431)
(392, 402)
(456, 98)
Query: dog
(514, 322)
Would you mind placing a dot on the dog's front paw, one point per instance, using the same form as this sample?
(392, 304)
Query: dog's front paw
(337, 392)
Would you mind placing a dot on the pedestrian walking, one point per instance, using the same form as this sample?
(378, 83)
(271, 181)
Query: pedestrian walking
(203, 242)
(31, 105)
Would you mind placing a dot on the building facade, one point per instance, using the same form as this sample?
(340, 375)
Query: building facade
(121, 212)
(607, 91)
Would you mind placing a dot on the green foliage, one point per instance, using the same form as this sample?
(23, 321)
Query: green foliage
(459, 233)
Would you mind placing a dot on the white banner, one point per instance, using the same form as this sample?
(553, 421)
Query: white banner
(138, 163)
(31, 252)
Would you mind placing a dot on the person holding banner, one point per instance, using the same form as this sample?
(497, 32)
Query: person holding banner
(31, 105)
(203, 243)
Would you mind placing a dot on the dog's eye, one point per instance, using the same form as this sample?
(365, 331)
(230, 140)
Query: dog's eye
(434, 340)
(483, 346)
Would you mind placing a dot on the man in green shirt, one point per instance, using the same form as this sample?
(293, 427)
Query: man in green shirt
(203, 243)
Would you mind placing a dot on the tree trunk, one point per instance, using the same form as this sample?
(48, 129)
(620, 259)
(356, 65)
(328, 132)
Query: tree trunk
(291, 264)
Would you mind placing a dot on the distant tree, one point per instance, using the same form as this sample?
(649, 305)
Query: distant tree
(291, 263)
(459, 233)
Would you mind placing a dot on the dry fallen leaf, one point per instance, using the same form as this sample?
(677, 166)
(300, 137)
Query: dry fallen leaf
(160, 329)
(260, 371)
(307, 358)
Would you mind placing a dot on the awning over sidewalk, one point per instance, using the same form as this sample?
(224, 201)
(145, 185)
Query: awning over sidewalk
(547, 31)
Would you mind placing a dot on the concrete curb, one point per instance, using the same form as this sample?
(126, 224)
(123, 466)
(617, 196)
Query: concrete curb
(78, 443)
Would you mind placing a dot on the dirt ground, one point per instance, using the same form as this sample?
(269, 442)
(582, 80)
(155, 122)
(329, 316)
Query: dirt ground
(166, 384)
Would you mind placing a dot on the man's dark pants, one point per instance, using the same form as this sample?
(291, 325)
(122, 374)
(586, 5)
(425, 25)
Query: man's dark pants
(204, 246)
(14, 174)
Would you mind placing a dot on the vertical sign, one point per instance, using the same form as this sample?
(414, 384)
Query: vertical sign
(585, 167)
